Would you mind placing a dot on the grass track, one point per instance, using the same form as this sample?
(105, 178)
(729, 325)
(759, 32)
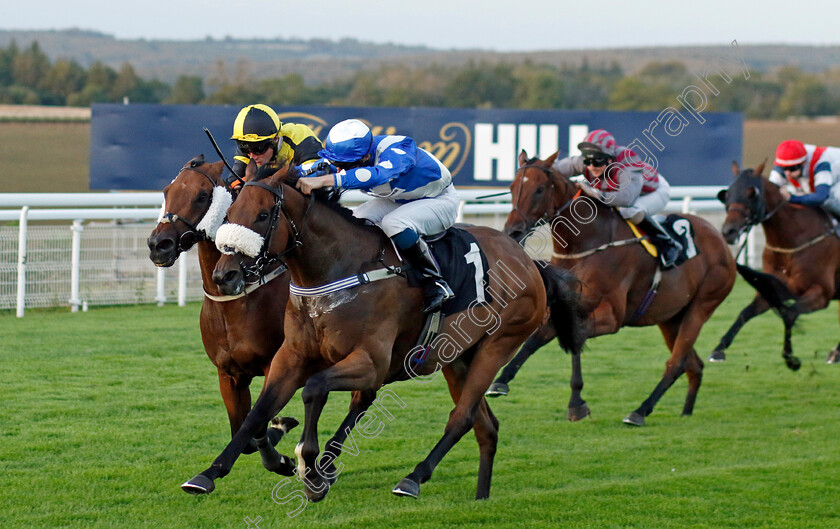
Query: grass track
(106, 413)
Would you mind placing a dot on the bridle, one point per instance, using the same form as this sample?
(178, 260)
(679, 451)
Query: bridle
(549, 214)
(753, 211)
(192, 235)
(265, 258)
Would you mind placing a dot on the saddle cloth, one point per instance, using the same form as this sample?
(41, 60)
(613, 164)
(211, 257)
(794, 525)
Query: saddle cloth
(681, 230)
(463, 266)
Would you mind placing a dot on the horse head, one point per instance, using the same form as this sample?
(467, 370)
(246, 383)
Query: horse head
(537, 193)
(744, 201)
(194, 207)
(259, 231)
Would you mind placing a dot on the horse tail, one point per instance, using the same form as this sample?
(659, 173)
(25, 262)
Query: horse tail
(563, 292)
(773, 290)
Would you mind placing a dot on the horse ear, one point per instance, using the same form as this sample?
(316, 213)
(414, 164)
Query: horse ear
(722, 195)
(550, 160)
(760, 168)
(197, 161)
(735, 169)
(522, 157)
(250, 170)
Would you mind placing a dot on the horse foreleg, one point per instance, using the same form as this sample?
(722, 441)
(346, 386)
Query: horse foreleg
(541, 336)
(237, 398)
(757, 306)
(355, 372)
(694, 372)
(359, 403)
(276, 393)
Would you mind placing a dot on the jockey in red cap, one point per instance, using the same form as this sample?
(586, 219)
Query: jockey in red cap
(808, 174)
(618, 177)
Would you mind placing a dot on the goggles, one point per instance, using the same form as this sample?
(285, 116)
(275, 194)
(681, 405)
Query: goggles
(255, 147)
(596, 161)
(793, 168)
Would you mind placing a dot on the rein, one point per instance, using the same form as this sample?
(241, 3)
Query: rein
(266, 258)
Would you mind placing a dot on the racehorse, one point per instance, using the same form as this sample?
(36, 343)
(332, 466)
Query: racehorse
(352, 324)
(240, 333)
(802, 250)
(597, 245)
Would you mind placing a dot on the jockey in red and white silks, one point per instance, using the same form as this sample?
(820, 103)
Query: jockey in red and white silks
(808, 174)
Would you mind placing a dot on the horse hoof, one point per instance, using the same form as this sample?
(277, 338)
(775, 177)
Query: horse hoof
(315, 496)
(200, 484)
(833, 356)
(634, 419)
(284, 424)
(497, 389)
(717, 356)
(283, 466)
(407, 487)
(578, 413)
(793, 363)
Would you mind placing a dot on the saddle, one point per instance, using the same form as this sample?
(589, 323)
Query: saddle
(677, 227)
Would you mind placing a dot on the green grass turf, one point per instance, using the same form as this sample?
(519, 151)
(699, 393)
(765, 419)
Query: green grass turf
(104, 414)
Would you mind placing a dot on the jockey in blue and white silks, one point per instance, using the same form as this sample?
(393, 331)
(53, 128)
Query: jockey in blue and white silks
(412, 190)
(808, 174)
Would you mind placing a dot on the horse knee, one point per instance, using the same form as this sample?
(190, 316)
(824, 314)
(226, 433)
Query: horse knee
(314, 390)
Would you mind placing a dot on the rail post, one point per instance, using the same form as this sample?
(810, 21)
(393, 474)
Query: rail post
(76, 265)
(182, 280)
(21, 286)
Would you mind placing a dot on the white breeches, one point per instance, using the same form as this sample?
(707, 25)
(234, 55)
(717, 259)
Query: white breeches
(649, 204)
(426, 216)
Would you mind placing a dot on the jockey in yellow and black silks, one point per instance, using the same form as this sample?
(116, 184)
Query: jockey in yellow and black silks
(260, 136)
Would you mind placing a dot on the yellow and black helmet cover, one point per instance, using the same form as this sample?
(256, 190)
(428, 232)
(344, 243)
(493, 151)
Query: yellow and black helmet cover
(256, 123)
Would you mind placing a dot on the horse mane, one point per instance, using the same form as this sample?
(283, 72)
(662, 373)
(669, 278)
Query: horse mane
(326, 197)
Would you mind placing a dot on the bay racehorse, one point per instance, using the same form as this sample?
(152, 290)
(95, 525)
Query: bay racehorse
(352, 324)
(802, 251)
(591, 239)
(240, 333)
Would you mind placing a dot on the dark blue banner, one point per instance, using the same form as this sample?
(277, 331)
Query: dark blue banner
(142, 147)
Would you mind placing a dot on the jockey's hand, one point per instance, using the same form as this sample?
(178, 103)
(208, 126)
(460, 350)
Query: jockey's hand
(308, 184)
(785, 192)
(587, 190)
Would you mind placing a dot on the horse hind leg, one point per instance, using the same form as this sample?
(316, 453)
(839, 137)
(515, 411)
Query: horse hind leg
(359, 403)
(791, 361)
(674, 367)
(466, 385)
(541, 336)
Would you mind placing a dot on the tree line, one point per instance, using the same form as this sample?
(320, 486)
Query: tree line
(28, 76)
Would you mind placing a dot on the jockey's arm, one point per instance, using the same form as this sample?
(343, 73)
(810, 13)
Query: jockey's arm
(817, 198)
(394, 161)
(629, 187)
(570, 166)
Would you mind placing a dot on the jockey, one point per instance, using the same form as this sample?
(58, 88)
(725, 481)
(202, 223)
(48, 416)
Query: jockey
(258, 133)
(413, 192)
(808, 174)
(617, 176)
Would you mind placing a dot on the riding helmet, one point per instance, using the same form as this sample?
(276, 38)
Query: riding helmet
(256, 123)
(347, 141)
(790, 152)
(598, 142)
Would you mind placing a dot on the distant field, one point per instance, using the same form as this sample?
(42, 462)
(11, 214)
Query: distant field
(106, 413)
(55, 156)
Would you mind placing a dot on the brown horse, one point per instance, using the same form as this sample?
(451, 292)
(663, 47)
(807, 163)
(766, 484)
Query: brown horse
(239, 345)
(797, 238)
(346, 330)
(616, 273)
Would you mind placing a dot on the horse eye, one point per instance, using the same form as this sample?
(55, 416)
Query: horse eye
(202, 198)
(262, 216)
(540, 190)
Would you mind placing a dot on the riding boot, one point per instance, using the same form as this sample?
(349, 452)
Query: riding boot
(435, 289)
(668, 246)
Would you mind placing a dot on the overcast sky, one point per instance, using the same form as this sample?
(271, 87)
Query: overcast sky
(500, 25)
